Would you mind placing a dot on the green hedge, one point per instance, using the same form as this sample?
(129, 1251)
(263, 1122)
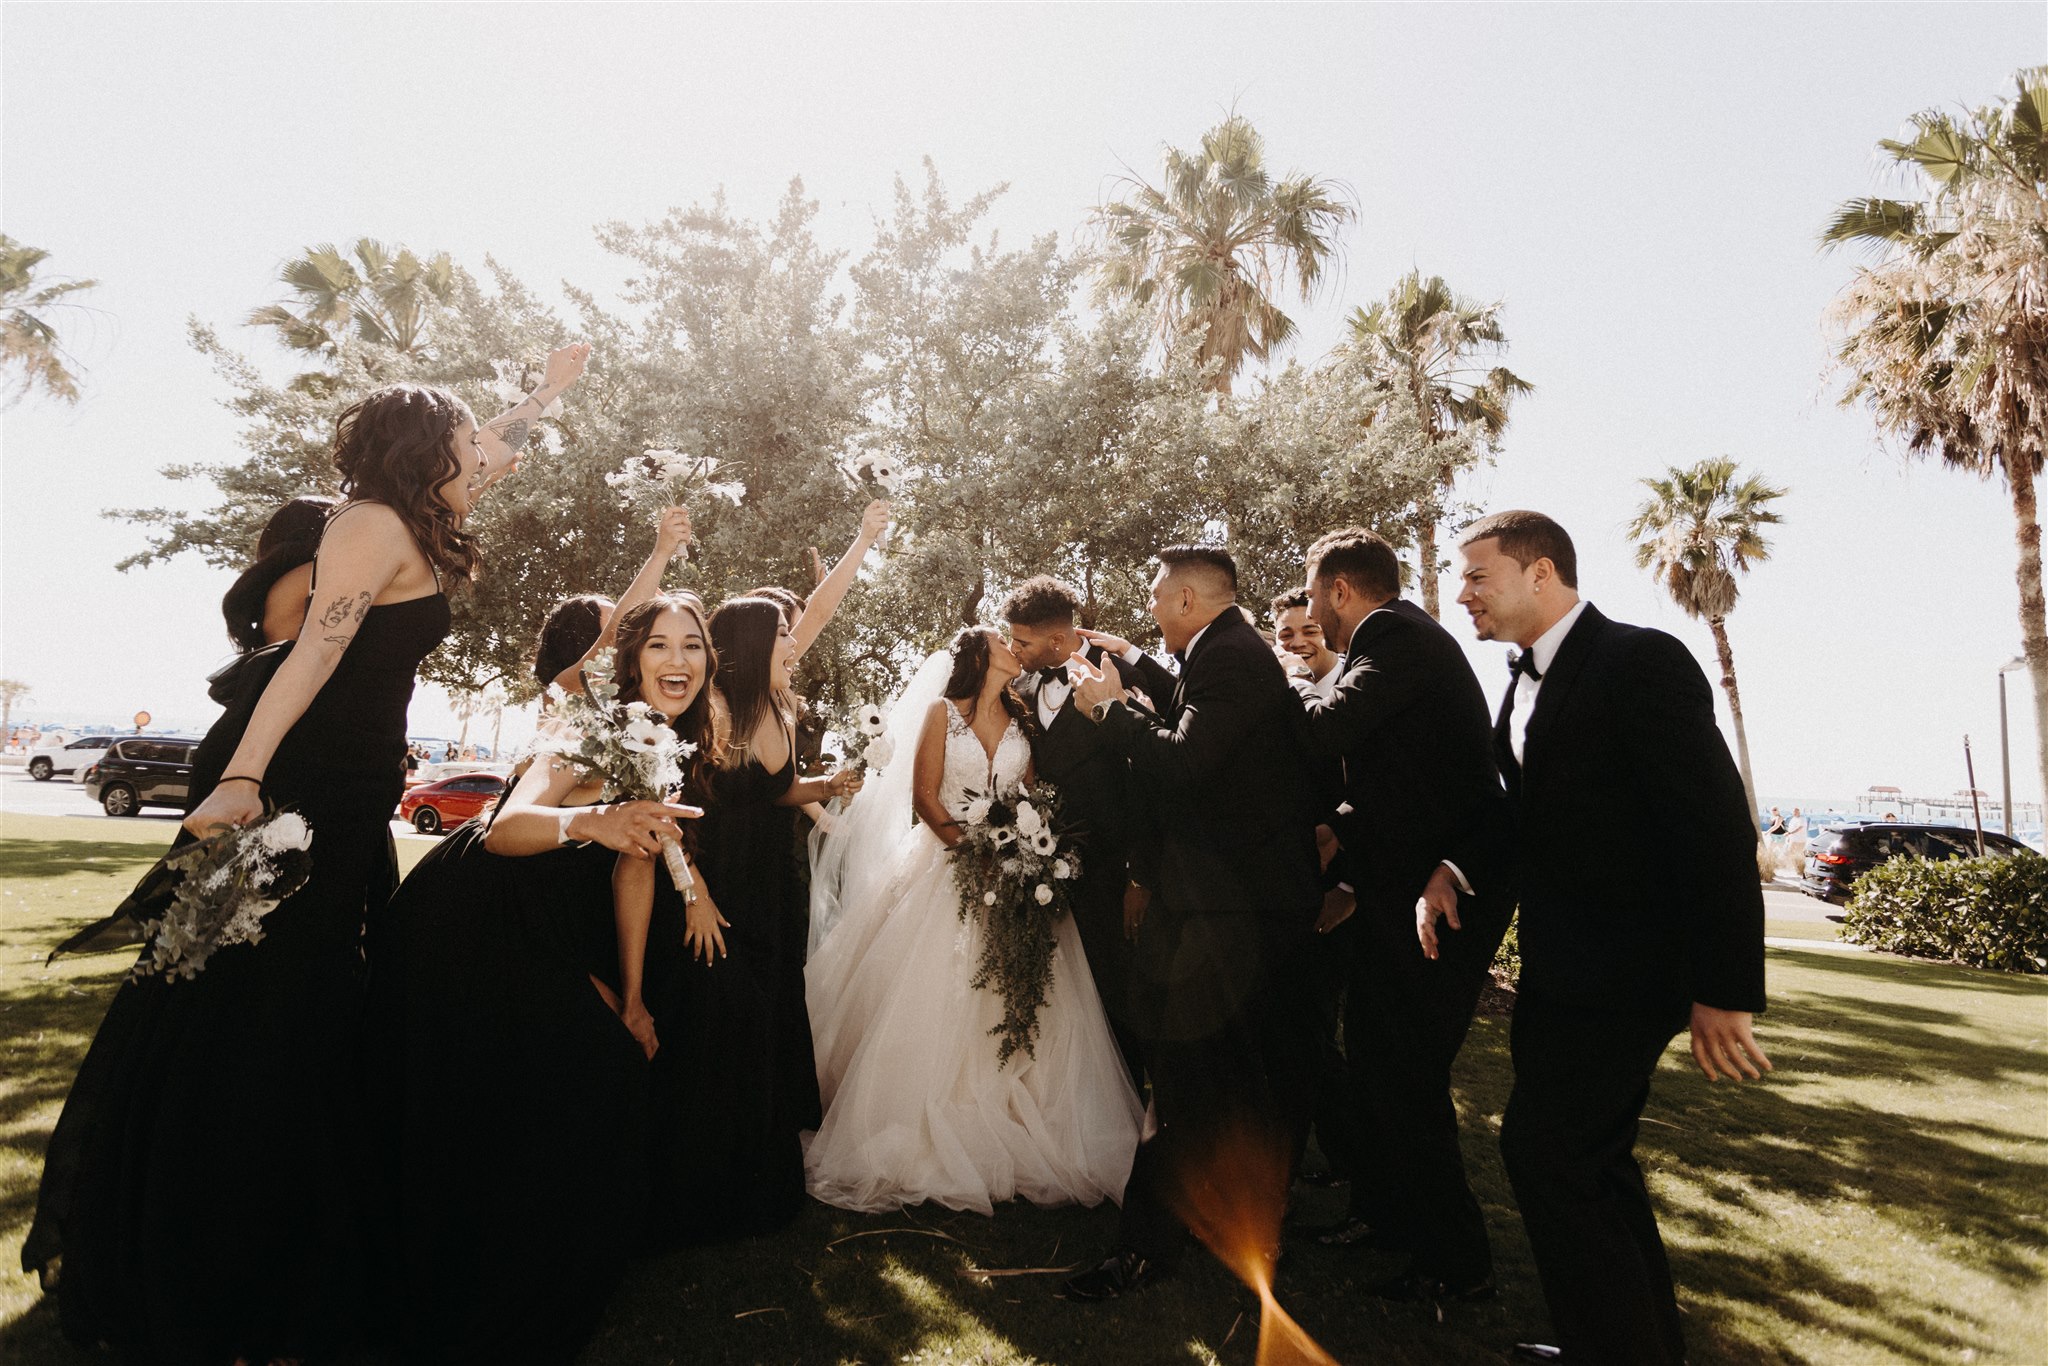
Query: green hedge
(1983, 912)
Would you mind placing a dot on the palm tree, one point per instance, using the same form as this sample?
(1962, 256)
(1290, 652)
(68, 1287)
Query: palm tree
(28, 340)
(12, 694)
(1421, 341)
(387, 294)
(1698, 530)
(1945, 337)
(1210, 249)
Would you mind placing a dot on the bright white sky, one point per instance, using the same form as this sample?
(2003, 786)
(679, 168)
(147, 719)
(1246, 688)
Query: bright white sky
(1642, 185)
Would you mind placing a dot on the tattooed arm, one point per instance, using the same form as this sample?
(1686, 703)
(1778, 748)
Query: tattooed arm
(366, 549)
(504, 436)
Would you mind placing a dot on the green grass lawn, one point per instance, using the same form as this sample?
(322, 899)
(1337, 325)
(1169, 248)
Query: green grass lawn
(1880, 1198)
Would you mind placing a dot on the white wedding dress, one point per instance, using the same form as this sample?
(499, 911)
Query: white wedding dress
(915, 1107)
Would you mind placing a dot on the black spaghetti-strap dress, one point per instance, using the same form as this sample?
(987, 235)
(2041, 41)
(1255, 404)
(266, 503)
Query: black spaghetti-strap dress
(735, 1082)
(510, 1099)
(204, 1190)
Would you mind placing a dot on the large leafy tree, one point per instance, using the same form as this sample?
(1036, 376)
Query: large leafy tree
(29, 345)
(1944, 337)
(384, 295)
(1424, 343)
(1700, 530)
(1209, 248)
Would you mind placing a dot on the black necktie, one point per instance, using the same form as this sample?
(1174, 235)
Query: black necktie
(1524, 662)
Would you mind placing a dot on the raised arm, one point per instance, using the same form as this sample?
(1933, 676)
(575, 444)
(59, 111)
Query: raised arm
(671, 538)
(366, 547)
(504, 436)
(831, 591)
(929, 772)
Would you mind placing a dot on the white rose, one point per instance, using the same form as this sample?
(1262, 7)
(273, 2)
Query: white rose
(732, 491)
(1062, 869)
(637, 710)
(287, 830)
(1029, 822)
(1043, 896)
(879, 751)
(988, 898)
(976, 811)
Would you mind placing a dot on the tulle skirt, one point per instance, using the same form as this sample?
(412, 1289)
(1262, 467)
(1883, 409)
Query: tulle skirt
(915, 1107)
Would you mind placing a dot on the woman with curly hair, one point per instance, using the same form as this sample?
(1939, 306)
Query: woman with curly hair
(204, 1192)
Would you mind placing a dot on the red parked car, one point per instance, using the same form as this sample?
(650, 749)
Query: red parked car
(448, 802)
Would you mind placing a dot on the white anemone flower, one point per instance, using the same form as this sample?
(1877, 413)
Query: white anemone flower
(1004, 836)
(1043, 843)
(870, 719)
(642, 736)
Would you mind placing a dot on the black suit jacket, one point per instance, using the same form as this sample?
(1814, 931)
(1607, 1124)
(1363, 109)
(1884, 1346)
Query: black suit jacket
(1074, 755)
(1636, 851)
(1409, 722)
(1232, 844)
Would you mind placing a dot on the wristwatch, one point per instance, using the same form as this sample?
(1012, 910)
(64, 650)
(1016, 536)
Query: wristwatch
(1101, 709)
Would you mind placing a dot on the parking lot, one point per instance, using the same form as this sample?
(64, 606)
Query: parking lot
(62, 796)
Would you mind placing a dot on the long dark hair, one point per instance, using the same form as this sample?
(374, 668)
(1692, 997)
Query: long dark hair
(397, 447)
(696, 724)
(289, 540)
(567, 635)
(746, 630)
(970, 670)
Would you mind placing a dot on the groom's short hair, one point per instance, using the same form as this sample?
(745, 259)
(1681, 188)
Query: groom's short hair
(1211, 564)
(1526, 537)
(1040, 601)
(1360, 558)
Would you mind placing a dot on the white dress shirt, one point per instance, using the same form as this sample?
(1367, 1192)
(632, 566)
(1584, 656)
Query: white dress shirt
(1326, 686)
(1545, 650)
(1052, 695)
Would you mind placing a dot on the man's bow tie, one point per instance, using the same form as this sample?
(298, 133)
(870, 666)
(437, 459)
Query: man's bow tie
(1524, 662)
(1056, 674)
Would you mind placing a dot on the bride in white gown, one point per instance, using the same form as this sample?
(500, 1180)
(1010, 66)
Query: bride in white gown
(915, 1107)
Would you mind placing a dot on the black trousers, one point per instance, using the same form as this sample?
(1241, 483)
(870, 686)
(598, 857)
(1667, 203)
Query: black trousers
(1099, 916)
(1581, 1079)
(1325, 974)
(1247, 1080)
(1406, 1018)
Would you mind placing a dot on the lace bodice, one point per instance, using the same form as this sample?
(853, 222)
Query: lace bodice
(969, 773)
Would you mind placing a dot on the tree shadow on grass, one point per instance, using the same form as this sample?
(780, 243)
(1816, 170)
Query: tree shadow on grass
(60, 858)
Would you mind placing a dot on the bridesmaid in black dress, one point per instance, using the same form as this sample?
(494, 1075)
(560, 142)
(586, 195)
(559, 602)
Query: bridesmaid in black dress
(735, 1083)
(203, 1192)
(511, 1089)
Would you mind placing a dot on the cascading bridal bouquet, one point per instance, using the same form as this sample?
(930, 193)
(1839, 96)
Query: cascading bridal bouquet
(657, 479)
(1013, 870)
(216, 892)
(627, 746)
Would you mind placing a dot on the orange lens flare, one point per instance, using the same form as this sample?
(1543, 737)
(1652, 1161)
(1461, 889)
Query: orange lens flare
(1231, 1191)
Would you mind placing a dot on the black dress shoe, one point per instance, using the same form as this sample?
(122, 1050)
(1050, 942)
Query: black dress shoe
(1352, 1231)
(1121, 1273)
(1412, 1288)
(1536, 1351)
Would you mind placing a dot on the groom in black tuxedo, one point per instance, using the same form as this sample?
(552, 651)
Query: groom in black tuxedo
(1094, 779)
(1423, 815)
(1233, 877)
(1602, 724)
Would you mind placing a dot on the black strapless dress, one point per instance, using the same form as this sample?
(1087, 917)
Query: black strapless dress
(510, 1099)
(735, 1083)
(204, 1190)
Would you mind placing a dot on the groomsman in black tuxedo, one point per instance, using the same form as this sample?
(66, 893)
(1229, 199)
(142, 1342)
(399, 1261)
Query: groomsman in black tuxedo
(1233, 878)
(1423, 814)
(1602, 721)
(1094, 779)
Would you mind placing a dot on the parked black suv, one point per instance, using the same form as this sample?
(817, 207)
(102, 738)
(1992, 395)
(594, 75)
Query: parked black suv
(142, 770)
(1840, 854)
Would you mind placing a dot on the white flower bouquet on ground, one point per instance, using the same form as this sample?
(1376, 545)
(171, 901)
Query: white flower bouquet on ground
(1013, 869)
(218, 891)
(629, 747)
